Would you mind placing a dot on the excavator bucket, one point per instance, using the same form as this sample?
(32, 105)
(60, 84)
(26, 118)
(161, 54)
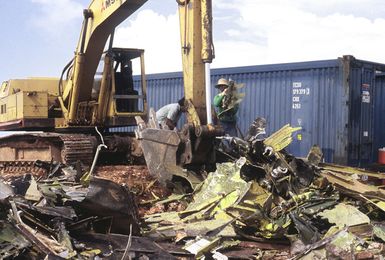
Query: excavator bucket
(167, 151)
(159, 149)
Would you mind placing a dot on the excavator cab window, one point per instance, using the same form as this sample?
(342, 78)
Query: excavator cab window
(3, 109)
(128, 96)
(124, 87)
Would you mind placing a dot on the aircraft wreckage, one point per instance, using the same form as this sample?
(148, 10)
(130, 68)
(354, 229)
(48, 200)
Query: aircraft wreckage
(259, 202)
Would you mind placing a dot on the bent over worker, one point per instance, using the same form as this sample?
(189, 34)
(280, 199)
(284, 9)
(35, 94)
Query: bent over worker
(225, 112)
(169, 115)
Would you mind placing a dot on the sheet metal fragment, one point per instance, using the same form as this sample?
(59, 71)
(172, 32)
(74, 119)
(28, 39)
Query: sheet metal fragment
(345, 215)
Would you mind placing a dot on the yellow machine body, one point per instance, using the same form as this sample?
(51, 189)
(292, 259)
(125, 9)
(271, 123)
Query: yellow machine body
(84, 97)
(26, 101)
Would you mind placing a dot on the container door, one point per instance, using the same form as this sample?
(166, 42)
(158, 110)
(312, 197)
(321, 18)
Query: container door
(361, 115)
(379, 115)
(302, 110)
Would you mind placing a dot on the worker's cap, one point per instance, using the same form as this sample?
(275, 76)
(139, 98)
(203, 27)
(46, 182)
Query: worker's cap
(222, 82)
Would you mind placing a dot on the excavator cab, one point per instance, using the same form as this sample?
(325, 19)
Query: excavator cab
(128, 99)
(124, 100)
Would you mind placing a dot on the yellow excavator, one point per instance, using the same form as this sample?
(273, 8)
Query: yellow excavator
(67, 109)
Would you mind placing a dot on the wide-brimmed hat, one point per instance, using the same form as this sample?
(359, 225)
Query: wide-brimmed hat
(222, 82)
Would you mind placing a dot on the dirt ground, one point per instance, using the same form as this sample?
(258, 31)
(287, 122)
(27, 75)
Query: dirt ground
(139, 181)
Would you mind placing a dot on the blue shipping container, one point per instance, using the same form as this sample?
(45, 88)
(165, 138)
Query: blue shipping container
(332, 100)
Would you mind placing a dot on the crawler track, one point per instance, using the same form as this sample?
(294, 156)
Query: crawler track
(19, 168)
(77, 148)
(18, 152)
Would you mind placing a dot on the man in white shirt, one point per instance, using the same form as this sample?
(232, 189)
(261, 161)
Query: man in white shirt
(169, 115)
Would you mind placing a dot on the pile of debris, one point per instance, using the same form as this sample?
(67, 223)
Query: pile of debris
(66, 213)
(267, 203)
(259, 203)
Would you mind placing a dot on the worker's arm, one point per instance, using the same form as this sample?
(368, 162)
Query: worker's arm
(170, 124)
(172, 116)
(218, 98)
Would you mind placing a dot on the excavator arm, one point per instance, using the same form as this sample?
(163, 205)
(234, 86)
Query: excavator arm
(195, 18)
(100, 20)
(166, 151)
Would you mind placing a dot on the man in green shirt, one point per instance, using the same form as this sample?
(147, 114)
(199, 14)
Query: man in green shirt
(226, 112)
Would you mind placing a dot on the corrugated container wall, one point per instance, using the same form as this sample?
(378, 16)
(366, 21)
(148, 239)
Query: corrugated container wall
(379, 115)
(331, 100)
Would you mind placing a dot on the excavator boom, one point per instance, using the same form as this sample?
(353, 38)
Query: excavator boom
(100, 21)
(195, 18)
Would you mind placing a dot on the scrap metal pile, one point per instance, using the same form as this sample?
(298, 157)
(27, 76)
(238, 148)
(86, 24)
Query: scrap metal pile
(259, 203)
(68, 214)
(267, 203)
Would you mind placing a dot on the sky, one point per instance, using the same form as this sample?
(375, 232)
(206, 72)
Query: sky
(38, 37)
